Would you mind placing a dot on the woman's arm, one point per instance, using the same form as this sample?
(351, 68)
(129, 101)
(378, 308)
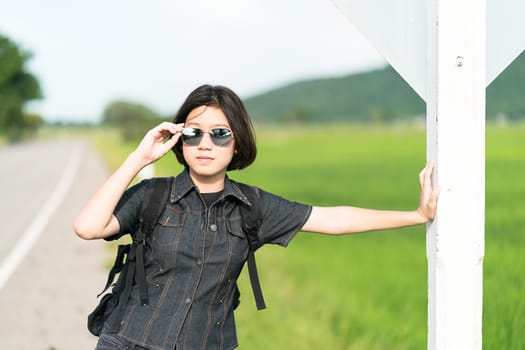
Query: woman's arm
(341, 220)
(96, 219)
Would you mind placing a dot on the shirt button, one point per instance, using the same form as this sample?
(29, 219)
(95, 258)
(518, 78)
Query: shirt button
(199, 262)
(213, 227)
(187, 300)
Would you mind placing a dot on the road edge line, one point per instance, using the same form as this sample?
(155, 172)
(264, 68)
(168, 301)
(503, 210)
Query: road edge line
(33, 232)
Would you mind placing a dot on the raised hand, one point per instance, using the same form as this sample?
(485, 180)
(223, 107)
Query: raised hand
(428, 197)
(158, 141)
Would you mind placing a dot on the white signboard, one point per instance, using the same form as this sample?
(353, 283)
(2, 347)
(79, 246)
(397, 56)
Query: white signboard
(398, 30)
(505, 35)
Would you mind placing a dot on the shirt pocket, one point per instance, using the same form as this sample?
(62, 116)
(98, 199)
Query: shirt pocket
(237, 241)
(169, 228)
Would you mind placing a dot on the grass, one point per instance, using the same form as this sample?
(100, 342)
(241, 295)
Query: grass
(368, 291)
(346, 292)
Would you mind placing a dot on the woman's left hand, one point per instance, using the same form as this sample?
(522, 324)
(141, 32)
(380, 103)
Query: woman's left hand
(428, 197)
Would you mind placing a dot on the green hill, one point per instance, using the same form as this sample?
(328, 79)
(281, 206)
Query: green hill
(379, 95)
(506, 94)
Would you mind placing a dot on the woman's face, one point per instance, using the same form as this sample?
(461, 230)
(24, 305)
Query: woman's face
(206, 160)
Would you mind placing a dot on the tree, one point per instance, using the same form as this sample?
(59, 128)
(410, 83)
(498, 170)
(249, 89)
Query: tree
(17, 86)
(133, 119)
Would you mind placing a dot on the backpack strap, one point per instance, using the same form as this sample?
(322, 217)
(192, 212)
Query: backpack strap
(154, 203)
(133, 270)
(127, 273)
(251, 223)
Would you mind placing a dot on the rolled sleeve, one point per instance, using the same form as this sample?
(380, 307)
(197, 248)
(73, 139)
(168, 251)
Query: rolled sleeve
(128, 209)
(282, 219)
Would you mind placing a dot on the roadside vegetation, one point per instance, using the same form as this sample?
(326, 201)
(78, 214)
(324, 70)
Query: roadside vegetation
(17, 87)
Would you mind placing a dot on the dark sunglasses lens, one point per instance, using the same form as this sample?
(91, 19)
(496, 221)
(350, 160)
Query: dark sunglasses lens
(191, 136)
(221, 136)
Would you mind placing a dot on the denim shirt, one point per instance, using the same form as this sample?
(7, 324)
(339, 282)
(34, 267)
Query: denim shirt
(192, 262)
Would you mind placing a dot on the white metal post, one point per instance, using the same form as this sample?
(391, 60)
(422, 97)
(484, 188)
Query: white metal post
(456, 140)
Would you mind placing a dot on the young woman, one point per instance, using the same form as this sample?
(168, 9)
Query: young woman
(197, 250)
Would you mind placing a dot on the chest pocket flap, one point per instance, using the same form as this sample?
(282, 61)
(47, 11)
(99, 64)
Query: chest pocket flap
(234, 227)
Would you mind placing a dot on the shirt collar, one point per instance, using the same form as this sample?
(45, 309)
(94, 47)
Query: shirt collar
(184, 184)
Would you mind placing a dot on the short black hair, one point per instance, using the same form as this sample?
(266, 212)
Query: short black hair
(232, 106)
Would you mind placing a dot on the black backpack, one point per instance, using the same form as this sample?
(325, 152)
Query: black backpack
(129, 261)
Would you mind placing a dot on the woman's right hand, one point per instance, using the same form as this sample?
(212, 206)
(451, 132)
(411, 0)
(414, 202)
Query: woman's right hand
(158, 141)
(96, 219)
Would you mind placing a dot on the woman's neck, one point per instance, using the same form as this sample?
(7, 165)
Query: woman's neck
(208, 183)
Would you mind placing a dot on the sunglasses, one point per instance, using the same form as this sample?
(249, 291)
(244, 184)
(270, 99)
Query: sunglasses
(219, 136)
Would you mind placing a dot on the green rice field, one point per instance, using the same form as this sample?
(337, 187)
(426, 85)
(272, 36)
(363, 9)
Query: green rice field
(369, 291)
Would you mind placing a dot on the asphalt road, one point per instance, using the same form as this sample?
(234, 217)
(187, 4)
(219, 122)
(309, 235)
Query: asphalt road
(49, 278)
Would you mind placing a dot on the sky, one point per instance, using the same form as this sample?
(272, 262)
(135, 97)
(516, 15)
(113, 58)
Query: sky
(87, 54)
